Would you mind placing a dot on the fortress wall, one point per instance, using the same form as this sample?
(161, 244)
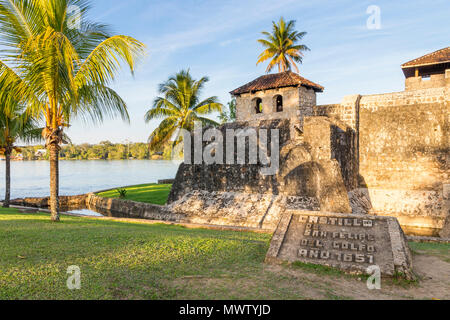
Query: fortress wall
(404, 156)
(345, 112)
(405, 139)
(403, 143)
(330, 138)
(307, 102)
(306, 171)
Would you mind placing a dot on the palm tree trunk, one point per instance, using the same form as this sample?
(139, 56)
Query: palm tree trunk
(7, 180)
(54, 181)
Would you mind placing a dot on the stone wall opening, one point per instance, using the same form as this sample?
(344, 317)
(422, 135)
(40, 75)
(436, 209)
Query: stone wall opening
(278, 103)
(257, 105)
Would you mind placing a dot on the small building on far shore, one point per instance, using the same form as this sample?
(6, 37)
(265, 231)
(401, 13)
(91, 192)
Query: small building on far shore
(18, 157)
(40, 153)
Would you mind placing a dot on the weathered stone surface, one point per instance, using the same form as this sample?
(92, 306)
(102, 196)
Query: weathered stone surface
(351, 243)
(403, 154)
(360, 201)
(435, 81)
(64, 201)
(166, 181)
(428, 239)
(445, 232)
(384, 154)
(131, 209)
(306, 170)
(261, 211)
(419, 212)
(297, 102)
(258, 211)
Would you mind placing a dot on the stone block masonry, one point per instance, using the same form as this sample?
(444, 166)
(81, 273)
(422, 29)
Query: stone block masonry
(402, 154)
(64, 201)
(305, 168)
(297, 103)
(351, 243)
(435, 80)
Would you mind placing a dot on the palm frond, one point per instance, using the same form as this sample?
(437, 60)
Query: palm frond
(162, 135)
(102, 64)
(179, 107)
(281, 46)
(160, 112)
(94, 103)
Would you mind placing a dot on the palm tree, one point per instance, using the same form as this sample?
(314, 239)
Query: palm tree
(179, 108)
(230, 115)
(60, 65)
(15, 124)
(281, 47)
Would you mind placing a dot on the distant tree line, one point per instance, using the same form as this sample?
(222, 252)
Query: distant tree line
(105, 150)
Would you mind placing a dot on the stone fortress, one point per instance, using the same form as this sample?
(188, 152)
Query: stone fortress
(383, 155)
(351, 178)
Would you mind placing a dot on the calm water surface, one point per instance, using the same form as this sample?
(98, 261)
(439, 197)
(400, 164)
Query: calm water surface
(32, 178)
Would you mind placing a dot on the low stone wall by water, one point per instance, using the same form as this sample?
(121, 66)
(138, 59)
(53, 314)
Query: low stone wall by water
(64, 201)
(131, 209)
(255, 211)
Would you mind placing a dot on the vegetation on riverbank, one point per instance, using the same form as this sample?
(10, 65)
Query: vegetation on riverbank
(148, 193)
(105, 150)
(130, 260)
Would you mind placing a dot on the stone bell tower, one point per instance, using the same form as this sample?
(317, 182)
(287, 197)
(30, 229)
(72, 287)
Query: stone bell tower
(284, 95)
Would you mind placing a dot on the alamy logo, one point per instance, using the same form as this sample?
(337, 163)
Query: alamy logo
(374, 20)
(74, 281)
(374, 281)
(74, 17)
(209, 148)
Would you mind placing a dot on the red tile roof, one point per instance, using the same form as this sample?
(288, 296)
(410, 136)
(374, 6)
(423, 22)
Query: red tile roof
(277, 80)
(437, 57)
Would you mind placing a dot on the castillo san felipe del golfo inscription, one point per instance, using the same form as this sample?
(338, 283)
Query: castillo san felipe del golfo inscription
(345, 241)
(347, 246)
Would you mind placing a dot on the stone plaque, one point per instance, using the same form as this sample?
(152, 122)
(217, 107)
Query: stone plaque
(349, 242)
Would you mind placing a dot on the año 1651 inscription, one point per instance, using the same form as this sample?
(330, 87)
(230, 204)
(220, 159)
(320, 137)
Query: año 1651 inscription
(348, 242)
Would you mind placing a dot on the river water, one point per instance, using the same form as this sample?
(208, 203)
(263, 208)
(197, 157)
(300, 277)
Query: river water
(32, 178)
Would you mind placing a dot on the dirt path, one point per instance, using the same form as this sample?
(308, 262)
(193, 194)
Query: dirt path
(434, 283)
(280, 282)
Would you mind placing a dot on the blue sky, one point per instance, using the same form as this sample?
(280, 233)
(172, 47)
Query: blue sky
(218, 39)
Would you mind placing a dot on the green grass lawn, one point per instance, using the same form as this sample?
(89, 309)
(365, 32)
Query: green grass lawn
(148, 193)
(439, 250)
(118, 260)
(136, 260)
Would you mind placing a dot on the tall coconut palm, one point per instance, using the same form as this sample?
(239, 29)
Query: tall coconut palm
(281, 47)
(15, 124)
(60, 65)
(179, 107)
